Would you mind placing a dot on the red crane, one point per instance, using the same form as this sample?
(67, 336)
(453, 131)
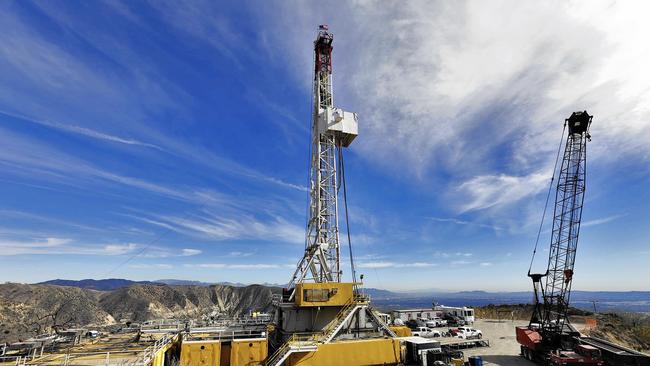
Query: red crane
(549, 337)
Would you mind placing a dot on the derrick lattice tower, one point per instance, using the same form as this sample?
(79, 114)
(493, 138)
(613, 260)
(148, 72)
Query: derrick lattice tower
(332, 130)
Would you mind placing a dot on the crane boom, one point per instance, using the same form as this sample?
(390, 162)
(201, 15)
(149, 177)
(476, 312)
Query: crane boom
(549, 329)
(567, 214)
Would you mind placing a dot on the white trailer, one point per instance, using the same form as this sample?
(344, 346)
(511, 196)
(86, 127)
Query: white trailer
(465, 313)
(421, 314)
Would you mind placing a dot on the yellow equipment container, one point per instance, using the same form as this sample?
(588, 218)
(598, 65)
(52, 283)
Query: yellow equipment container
(248, 352)
(401, 331)
(324, 294)
(201, 354)
(381, 351)
(232, 353)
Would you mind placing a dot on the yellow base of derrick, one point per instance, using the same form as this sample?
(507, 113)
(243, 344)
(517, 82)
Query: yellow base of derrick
(383, 351)
(324, 294)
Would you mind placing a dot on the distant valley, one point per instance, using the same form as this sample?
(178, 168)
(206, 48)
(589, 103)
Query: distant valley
(633, 301)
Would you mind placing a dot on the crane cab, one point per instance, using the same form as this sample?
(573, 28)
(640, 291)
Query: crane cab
(579, 122)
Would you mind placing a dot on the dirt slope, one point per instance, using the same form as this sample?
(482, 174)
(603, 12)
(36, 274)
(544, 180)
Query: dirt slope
(26, 310)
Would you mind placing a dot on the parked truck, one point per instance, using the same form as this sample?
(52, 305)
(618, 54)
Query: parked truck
(426, 332)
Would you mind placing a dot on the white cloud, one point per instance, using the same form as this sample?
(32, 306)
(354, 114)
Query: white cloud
(244, 226)
(82, 131)
(478, 91)
(486, 264)
(464, 222)
(602, 220)
(62, 246)
(238, 266)
(460, 263)
(119, 249)
(151, 266)
(186, 252)
(385, 264)
(497, 191)
(46, 83)
(240, 254)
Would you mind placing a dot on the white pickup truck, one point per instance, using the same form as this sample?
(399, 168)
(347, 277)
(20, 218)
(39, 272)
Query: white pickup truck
(436, 322)
(426, 332)
(468, 333)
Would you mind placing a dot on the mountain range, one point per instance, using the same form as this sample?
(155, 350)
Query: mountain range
(637, 301)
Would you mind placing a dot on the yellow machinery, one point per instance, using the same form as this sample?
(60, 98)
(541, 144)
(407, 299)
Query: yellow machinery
(323, 294)
(223, 352)
(384, 351)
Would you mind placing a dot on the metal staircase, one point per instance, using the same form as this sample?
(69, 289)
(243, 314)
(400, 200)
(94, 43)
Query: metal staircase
(349, 309)
(297, 343)
(309, 342)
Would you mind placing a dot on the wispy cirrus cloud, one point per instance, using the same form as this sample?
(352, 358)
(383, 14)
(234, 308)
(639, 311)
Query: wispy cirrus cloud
(460, 263)
(239, 266)
(149, 266)
(83, 131)
(498, 191)
(71, 86)
(480, 99)
(219, 227)
(62, 246)
(388, 264)
(602, 220)
(464, 222)
(50, 245)
(187, 252)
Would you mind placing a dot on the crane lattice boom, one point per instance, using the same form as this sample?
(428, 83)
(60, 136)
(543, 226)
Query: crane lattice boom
(551, 313)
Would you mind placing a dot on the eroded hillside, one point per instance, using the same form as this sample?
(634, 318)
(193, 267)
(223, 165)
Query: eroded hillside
(27, 310)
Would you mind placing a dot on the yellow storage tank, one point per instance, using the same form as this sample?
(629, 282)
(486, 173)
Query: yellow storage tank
(201, 354)
(248, 352)
(382, 351)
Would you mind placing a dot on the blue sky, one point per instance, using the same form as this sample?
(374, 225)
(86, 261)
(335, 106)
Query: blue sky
(149, 140)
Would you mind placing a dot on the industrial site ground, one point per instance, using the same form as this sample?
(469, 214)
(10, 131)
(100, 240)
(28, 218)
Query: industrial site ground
(504, 349)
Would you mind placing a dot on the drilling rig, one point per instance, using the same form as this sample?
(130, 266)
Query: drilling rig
(549, 338)
(319, 318)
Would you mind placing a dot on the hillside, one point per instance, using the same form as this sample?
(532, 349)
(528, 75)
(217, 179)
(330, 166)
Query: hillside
(143, 302)
(33, 309)
(26, 310)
